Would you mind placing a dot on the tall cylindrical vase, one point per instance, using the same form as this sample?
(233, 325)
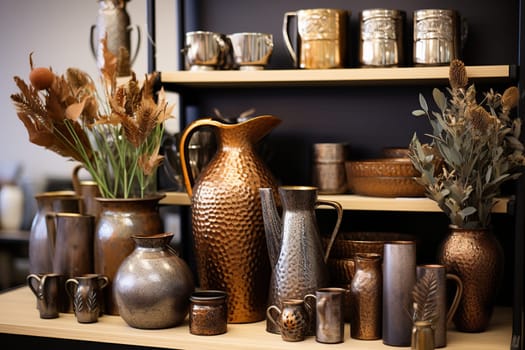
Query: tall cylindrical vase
(119, 219)
(399, 278)
(476, 257)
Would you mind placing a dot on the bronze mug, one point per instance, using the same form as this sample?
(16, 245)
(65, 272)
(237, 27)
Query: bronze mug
(329, 314)
(48, 290)
(293, 320)
(85, 293)
(444, 313)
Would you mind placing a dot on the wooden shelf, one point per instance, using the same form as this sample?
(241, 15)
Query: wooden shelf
(344, 76)
(20, 317)
(355, 202)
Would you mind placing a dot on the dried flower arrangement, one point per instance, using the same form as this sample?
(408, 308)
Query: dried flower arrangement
(474, 149)
(116, 136)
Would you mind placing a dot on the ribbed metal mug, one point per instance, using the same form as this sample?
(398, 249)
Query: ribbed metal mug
(251, 51)
(381, 37)
(438, 36)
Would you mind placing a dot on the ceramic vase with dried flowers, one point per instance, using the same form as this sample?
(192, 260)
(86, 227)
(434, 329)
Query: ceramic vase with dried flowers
(115, 135)
(474, 149)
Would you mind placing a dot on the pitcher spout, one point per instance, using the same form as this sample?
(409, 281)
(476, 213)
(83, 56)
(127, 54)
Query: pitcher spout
(272, 224)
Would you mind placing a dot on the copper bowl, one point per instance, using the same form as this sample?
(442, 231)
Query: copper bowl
(381, 167)
(396, 152)
(347, 244)
(385, 186)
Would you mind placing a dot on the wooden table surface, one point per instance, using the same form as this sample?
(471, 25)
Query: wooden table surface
(20, 316)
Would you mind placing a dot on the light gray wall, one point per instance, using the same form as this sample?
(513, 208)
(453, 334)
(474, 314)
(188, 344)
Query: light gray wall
(57, 31)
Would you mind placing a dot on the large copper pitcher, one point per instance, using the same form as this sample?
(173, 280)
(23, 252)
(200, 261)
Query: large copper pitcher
(294, 244)
(228, 228)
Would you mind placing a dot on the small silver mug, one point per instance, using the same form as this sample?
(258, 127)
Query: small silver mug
(381, 37)
(205, 50)
(329, 314)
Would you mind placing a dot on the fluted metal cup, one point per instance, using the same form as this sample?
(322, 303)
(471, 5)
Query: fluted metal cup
(251, 51)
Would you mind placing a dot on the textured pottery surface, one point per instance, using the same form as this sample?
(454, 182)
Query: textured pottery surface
(293, 320)
(366, 297)
(208, 312)
(119, 219)
(476, 257)
(297, 255)
(228, 229)
(40, 255)
(153, 285)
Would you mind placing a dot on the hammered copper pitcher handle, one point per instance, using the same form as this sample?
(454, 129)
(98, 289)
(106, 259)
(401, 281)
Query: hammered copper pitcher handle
(339, 210)
(185, 138)
(457, 297)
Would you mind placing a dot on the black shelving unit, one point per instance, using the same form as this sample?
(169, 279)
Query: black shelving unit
(496, 37)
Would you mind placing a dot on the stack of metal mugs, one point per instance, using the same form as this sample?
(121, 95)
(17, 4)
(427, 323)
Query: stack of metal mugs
(317, 39)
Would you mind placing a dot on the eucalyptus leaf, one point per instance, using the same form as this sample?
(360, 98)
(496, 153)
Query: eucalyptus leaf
(423, 102)
(440, 99)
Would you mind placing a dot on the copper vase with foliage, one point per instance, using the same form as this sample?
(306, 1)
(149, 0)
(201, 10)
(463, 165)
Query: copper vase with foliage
(228, 228)
(476, 257)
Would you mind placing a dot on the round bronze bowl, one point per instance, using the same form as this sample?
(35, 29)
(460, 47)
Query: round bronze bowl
(385, 186)
(348, 244)
(381, 167)
(396, 152)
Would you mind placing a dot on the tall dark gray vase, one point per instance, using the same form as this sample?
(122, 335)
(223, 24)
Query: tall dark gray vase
(399, 278)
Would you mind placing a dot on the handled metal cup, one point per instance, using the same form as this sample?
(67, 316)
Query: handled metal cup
(48, 291)
(321, 41)
(329, 320)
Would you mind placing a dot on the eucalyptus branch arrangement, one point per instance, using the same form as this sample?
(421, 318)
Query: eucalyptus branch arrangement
(115, 134)
(474, 149)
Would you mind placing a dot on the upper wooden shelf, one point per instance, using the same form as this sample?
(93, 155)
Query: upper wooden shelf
(355, 202)
(344, 76)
